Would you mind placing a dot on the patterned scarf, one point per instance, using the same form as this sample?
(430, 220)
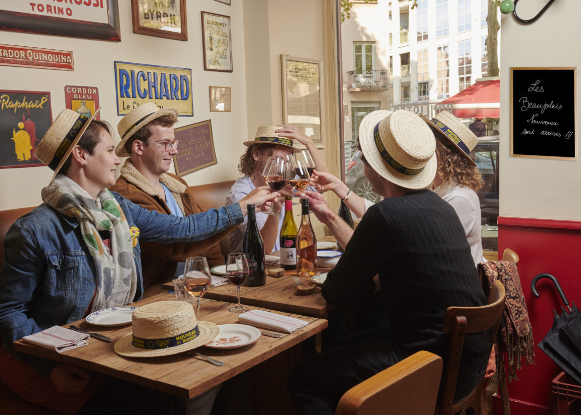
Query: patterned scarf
(516, 336)
(116, 276)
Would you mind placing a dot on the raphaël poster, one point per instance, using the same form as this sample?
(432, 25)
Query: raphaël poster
(25, 116)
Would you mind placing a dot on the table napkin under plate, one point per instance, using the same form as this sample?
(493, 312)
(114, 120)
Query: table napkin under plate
(267, 320)
(58, 338)
(218, 281)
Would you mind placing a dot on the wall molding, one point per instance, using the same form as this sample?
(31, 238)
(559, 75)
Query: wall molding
(504, 221)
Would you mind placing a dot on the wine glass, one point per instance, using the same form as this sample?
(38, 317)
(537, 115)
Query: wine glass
(197, 278)
(307, 160)
(302, 175)
(276, 173)
(237, 271)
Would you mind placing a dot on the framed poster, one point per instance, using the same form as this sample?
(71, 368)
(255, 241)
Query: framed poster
(220, 99)
(82, 99)
(543, 113)
(196, 148)
(225, 2)
(165, 86)
(25, 117)
(161, 18)
(26, 57)
(302, 95)
(96, 19)
(217, 40)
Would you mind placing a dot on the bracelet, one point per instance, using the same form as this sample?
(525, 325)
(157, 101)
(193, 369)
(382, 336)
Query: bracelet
(346, 197)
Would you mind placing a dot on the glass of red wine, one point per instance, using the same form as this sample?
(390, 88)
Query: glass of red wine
(237, 271)
(197, 279)
(276, 173)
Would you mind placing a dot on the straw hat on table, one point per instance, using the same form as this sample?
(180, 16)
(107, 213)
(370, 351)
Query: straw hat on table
(60, 139)
(165, 328)
(138, 118)
(266, 134)
(454, 133)
(400, 147)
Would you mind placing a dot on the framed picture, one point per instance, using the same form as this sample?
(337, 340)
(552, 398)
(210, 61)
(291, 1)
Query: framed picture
(160, 18)
(196, 148)
(225, 2)
(25, 117)
(98, 20)
(220, 99)
(302, 92)
(82, 99)
(217, 42)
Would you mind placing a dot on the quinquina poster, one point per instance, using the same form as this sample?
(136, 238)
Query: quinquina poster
(25, 116)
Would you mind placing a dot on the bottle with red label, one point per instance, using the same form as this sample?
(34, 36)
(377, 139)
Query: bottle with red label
(288, 237)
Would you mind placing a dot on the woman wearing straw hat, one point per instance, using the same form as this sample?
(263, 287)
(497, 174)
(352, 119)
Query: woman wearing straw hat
(275, 141)
(78, 253)
(415, 243)
(458, 179)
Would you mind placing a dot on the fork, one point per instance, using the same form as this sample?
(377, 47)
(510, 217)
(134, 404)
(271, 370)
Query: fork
(298, 281)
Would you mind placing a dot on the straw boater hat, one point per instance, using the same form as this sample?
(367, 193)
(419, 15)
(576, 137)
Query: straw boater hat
(400, 147)
(165, 328)
(61, 137)
(136, 119)
(454, 132)
(266, 134)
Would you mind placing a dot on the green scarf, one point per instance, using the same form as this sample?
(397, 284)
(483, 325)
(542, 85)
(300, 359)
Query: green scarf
(116, 275)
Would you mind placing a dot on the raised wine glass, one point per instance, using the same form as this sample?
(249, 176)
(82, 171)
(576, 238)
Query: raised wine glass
(302, 175)
(306, 159)
(197, 278)
(276, 173)
(237, 271)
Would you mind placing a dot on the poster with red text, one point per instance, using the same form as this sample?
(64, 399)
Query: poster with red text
(82, 99)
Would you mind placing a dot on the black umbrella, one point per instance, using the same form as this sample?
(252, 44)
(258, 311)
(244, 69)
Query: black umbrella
(560, 342)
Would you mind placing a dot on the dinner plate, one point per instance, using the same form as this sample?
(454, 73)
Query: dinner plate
(111, 317)
(329, 254)
(319, 279)
(232, 336)
(219, 270)
(325, 245)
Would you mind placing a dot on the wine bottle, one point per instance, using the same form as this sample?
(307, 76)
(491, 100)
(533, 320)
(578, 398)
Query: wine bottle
(345, 214)
(306, 244)
(288, 237)
(253, 248)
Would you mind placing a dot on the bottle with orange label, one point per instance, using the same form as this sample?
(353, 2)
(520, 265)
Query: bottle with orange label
(288, 237)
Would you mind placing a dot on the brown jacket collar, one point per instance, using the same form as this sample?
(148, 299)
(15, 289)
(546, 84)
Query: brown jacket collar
(132, 175)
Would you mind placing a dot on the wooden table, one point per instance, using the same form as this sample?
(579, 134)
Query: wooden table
(182, 375)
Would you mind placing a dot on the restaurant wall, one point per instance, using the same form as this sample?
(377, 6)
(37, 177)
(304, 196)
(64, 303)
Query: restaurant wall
(539, 199)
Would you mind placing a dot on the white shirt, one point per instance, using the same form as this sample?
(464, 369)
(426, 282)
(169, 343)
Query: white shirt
(467, 206)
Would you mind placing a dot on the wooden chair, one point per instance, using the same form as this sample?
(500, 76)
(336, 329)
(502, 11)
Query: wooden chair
(408, 387)
(460, 321)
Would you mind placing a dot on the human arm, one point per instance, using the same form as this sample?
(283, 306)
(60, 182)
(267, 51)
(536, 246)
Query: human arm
(269, 230)
(323, 181)
(293, 133)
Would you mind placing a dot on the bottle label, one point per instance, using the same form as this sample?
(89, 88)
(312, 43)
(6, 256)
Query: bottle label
(288, 251)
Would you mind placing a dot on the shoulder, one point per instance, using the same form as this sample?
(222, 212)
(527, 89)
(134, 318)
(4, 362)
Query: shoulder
(241, 187)
(464, 196)
(41, 214)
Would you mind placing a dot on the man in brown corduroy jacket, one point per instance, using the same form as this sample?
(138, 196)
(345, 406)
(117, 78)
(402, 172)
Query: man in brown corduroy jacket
(151, 145)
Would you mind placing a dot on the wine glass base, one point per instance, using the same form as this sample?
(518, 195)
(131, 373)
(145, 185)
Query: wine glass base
(238, 309)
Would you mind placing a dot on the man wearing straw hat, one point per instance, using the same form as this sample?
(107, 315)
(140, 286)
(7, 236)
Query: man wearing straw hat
(147, 138)
(415, 243)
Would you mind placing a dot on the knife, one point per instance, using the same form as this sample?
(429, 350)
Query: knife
(266, 333)
(95, 335)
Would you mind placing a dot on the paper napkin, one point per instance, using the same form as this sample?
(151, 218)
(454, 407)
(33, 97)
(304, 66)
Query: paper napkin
(268, 320)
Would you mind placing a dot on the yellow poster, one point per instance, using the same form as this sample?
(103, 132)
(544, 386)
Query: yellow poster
(165, 86)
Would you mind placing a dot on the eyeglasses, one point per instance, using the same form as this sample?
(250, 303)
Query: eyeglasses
(167, 145)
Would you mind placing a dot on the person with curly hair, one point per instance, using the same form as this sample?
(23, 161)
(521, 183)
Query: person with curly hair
(458, 179)
(275, 141)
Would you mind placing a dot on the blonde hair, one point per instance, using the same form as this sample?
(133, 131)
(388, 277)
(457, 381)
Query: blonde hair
(452, 166)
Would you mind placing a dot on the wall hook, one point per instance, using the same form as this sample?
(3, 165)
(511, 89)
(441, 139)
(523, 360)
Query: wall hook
(529, 21)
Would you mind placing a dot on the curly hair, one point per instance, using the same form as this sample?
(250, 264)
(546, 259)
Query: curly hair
(247, 163)
(452, 166)
(144, 132)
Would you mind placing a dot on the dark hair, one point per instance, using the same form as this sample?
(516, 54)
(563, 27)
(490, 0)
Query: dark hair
(144, 132)
(247, 162)
(91, 137)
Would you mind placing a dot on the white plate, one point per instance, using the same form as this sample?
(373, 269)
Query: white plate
(325, 245)
(219, 270)
(232, 336)
(111, 317)
(329, 254)
(319, 279)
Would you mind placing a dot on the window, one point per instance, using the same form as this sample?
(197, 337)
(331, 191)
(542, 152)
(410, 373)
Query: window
(422, 20)
(441, 18)
(464, 64)
(404, 23)
(443, 59)
(405, 64)
(423, 75)
(483, 13)
(364, 57)
(464, 15)
(484, 57)
(405, 94)
(423, 91)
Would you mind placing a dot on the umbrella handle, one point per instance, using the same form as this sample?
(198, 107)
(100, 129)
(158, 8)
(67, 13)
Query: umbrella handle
(555, 282)
(529, 21)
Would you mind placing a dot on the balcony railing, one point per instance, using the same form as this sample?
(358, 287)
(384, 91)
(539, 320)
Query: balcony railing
(367, 80)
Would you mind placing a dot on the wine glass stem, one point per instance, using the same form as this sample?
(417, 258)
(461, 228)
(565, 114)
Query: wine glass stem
(198, 308)
(238, 292)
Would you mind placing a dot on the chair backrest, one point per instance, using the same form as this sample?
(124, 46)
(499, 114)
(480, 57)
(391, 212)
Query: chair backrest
(7, 218)
(460, 321)
(408, 387)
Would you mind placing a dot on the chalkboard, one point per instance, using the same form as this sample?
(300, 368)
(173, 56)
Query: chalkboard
(543, 110)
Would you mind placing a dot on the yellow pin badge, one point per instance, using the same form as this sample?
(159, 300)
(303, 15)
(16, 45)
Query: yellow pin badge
(134, 235)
